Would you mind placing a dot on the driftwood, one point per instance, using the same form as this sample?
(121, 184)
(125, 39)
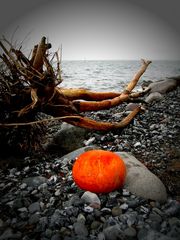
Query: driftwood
(31, 85)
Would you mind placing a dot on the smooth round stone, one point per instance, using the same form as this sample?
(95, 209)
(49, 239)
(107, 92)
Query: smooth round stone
(95, 224)
(9, 234)
(57, 193)
(81, 218)
(155, 217)
(116, 211)
(34, 219)
(124, 206)
(80, 229)
(130, 232)
(112, 232)
(90, 198)
(23, 186)
(139, 177)
(34, 207)
(23, 209)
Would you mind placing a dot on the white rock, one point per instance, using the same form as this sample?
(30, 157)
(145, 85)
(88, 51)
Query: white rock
(124, 206)
(89, 141)
(23, 186)
(88, 209)
(23, 209)
(90, 198)
(140, 181)
(137, 144)
(58, 192)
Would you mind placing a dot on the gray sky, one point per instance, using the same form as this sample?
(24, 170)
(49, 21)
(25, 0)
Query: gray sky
(124, 29)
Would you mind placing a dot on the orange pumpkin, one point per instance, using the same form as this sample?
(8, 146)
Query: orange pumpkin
(99, 171)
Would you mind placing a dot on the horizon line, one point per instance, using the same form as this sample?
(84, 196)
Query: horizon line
(118, 60)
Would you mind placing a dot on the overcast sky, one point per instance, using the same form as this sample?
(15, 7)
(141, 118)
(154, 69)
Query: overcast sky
(123, 29)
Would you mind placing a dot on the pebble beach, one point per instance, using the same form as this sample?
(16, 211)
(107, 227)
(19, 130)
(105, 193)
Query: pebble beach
(39, 199)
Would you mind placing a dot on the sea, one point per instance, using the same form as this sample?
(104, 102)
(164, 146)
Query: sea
(113, 75)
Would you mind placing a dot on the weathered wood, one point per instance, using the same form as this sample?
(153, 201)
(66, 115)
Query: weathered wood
(37, 91)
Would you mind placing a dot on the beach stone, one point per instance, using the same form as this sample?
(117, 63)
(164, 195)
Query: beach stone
(1, 223)
(112, 232)
(23, 186)
(137, 144)
(173, 208)
(42, 225)
(116, 211)
(34, 207)
(88, 209)
(130, 232)
(95, 224)
(9, 234)
(80, 229)
(56, 236)
(34, 219)
(81, 218)
(74, 201)
(17, 203)
(163, 86)
(124, 206)
(35, 181)
(131, 106)
(154, 235)
(140, 181)
(154, 97)
(90, 198)
(67, 139)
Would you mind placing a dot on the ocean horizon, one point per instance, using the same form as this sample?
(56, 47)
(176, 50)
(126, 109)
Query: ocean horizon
(113, 75)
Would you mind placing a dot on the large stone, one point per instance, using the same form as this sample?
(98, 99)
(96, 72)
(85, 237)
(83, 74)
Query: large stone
(140, 181)
(72, 155)
(154, 97)
(163, 86)
(67, 139)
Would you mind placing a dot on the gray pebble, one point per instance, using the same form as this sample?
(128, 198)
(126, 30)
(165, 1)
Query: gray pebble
(112, 232)
(34, 219)
(116, 211)
(124, 206)
(81, 218)
(95, 224)
(80, 229)
(57, 193)
(34, 207)
(35, 181)
(130, 232)
(155, 217)
(23, 186)
(23, 209)
(9, 234)
(56, 236)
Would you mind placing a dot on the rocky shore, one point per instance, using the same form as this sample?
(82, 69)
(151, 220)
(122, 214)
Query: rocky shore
(39, 199)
